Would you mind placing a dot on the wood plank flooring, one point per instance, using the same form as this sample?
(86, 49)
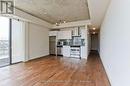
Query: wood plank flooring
(56, 71)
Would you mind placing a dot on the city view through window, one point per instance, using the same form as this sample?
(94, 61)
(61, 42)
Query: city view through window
(4, 41)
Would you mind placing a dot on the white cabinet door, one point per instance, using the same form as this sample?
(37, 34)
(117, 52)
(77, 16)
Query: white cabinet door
(66, 51)
(84, 52)
(83, 33)
(64, 35)
(53, 33)
(60, 35)
(67, 35)
(75, 31)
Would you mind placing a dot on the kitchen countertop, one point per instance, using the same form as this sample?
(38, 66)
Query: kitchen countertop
(70, 45)
(59, 45)
(75, 45)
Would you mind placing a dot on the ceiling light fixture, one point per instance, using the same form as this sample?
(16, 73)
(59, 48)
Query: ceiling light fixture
(94, 28)
(64, 21)
(94, 32)
(60, 22)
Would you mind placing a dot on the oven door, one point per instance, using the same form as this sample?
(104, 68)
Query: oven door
(75, 52)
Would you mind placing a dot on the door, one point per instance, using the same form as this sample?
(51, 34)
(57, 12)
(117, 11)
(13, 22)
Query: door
(5, 58)
(52, 45)
(94, 42)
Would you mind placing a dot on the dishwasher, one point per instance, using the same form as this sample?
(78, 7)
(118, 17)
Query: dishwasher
(60, 50)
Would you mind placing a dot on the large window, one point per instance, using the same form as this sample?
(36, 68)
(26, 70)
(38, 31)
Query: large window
(4, 41)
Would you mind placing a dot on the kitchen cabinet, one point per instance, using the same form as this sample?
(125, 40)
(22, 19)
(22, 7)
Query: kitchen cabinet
(53, 33)
(83, 33)
(64, 35)
(60, 35)
(76, 31)
(84, 51)
(66, 51)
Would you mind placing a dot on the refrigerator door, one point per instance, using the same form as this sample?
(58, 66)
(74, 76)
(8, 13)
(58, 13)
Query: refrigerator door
(52, 45)
(59, 50)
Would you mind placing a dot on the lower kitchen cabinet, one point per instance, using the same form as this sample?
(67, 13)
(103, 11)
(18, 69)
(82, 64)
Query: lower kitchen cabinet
(66, 51)
(84, 52)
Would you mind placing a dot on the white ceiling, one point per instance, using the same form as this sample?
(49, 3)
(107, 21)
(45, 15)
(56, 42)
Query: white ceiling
(54, 10)
(98, 10)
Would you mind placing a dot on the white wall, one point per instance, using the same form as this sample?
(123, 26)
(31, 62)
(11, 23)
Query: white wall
(115, 42)
(89, 41)
(38, 41)
(33, 43)
(97, 11)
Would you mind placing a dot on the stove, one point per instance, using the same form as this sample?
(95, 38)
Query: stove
(75, 51)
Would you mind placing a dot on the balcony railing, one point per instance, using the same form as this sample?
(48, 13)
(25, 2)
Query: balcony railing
(4, 49)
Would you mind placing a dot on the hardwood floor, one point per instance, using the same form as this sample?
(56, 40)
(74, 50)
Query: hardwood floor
(55, 71)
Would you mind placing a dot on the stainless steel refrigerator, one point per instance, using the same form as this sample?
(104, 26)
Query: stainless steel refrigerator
(52, 45)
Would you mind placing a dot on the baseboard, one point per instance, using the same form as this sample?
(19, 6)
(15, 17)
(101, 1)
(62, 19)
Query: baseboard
(105, 70)
(37, 58)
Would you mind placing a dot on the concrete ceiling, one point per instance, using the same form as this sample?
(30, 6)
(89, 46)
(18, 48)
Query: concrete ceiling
(54, 10)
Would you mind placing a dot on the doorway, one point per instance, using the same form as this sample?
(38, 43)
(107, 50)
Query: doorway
(5, 41)
(94, 42)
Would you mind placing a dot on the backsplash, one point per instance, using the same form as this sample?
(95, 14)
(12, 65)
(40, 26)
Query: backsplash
(70, 42)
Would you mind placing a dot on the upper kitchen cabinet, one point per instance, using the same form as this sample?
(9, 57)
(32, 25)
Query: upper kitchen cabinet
(76, 31)
(83, 33)
(64, 34)
(53, 33)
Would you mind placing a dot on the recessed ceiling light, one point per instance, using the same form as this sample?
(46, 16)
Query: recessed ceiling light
(94, 32)
(45, 13)
(94, 28)
(64, 21)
